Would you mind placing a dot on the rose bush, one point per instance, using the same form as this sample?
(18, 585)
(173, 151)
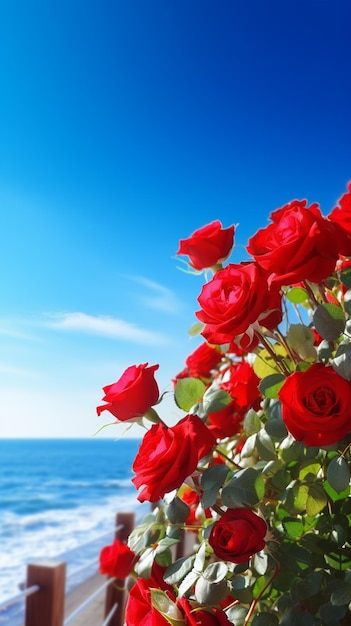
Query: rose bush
(250, 521)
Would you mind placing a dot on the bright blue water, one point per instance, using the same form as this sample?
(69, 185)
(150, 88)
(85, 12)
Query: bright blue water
(55, 496)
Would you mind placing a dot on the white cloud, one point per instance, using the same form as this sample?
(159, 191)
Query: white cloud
(162, 298)
(106, 326)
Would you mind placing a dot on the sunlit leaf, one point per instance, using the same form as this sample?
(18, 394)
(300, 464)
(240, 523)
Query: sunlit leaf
(264, 365)
(188, 392)
(297, 295)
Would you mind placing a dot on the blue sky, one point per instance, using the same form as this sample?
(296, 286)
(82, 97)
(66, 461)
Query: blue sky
(124, 126)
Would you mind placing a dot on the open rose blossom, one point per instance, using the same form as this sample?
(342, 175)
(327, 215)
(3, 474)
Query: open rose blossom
(236, 299)
(208, 245)
(133, 394)
(168, 455)
(117, 560)
(300, 244)
(316, 405)
(237, 535)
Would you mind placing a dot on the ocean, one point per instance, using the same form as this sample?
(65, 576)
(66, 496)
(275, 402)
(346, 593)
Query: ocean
(59, 499)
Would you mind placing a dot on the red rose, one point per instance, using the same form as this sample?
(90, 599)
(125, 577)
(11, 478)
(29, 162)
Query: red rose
(316, 405)
(237, 535)
(117, 560)
(226, 422)
(208, 245)
(133, 394)
(138, 608)
(196, 616)
(200, 362)
(300, 245)
(242, 385)
(341, 215)
(168, 455)
(236, 299)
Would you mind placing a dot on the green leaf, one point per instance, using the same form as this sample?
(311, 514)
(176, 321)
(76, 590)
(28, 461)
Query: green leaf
(177, 511)
(164, 544)
(275, 426)
(144, 565)
(214, 477)
(237, 615)
(215, 572)
(188, 582)
(340, 560)
(296, 498)
(293, 527)
(270, 385)
(251, 423)
(345, 277)
(338, 473)
(347, 300)
(260, 562)
(188, 392)
(215, 400)
(342, 361)
(264, 365)
(309, 586)
(200, 558)
(334, 495)
(316, 500)
(331, 615)
(265, 446)
(297, 295)
(329, 321)
(209, 593)
(342, 595)
(246, 488)
(309, 469)
(178, 570)
(195, 329)
(296, 617)
(161, 602)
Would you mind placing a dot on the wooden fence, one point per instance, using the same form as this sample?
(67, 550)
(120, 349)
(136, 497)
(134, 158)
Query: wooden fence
(45, 591)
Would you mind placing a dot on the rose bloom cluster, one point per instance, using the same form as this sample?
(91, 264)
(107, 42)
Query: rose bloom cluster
(259, 460)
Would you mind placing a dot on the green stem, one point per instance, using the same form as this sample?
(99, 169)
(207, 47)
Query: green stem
(153, 416)
(275, 358)
(256, 601)
(228, 459)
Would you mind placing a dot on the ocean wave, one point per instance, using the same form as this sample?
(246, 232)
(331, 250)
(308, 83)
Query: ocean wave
(57, 534)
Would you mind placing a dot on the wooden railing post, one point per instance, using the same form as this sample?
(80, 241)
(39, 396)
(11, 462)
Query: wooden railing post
(116, 592)
(45, 607)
